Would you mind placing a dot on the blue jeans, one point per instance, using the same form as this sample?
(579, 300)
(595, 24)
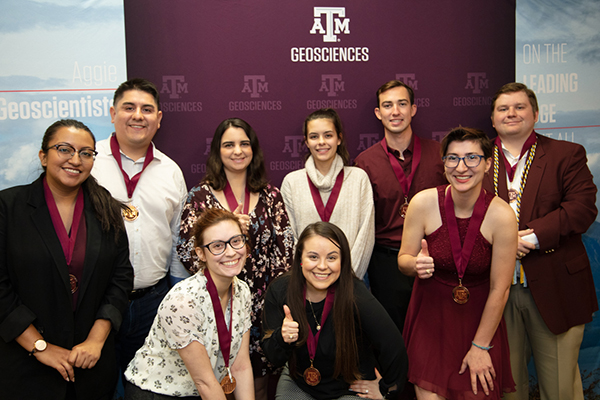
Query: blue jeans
(137, 321)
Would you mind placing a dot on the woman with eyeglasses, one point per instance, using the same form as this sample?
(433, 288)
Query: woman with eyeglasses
(460, 242)
(64, 275)
(200, 338)
(236, 181)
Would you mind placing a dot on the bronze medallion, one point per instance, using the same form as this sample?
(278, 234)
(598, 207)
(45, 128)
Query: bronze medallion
(512, 195)
(403, 209)
(460, 294)
(74, 283)
(312, 376)
(228, 384)
(130, 213)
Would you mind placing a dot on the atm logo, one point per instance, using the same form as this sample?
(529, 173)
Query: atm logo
(174, 85)
(330, 22)
(332, 84)
(477, 81)
(408, 79)
(255, 85)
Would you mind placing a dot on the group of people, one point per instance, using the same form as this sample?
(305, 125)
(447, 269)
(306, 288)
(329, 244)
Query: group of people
(471, 262)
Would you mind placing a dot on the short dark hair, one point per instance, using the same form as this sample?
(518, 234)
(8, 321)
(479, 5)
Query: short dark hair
(516, 87)
(463, 134)
(332, 115)
(141, 84)
(256, 174)
(393, 84)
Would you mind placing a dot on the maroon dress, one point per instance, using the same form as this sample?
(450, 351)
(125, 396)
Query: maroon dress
(438, 332)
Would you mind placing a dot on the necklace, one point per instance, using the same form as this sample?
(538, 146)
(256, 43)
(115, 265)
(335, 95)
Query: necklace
(314, 316)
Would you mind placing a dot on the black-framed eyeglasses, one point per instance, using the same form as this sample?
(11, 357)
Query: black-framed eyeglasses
(218, 246)
(66, 152)
(471, 160)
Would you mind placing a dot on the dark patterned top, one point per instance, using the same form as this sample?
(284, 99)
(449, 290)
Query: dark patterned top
(271, 242)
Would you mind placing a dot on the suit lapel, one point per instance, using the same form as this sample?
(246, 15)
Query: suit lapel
(532, 185)
(92, 248)
(43, 222)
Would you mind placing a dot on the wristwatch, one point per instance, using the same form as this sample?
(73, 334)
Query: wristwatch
(38, 345)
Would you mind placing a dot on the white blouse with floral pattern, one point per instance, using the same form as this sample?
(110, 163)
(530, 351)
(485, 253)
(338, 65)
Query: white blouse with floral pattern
(185, 315)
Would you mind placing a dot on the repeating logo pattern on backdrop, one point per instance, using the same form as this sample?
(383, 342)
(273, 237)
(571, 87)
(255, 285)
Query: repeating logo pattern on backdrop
(174, 87)
(255, 87)
(332, 85)
(475, 84)
(411, 80)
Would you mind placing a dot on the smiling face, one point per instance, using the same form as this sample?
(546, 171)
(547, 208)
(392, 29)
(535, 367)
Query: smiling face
(228, 264)
(136, 119)
(66, 175)
(236, 150)
(321, 266)
(322, 140)
(395, 111)
(513, 115)
(461, 177)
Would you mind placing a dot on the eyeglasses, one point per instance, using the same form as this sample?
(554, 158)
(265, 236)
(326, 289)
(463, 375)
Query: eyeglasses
(471, 160)
(218, 246)
(66, 152)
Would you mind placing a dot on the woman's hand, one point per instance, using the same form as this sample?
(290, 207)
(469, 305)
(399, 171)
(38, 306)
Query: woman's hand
(85, 355)
(289, 327)
(368, 389)
(480, 367)
(244, 219)
(424, 263)
(58, 358)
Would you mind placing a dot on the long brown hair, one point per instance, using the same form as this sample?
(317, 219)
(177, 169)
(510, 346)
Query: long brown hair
(256, 175)
(344, 310)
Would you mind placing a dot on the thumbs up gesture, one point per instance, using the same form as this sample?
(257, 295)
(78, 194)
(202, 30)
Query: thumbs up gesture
(243, 218)
(289, 327)
(424, 263)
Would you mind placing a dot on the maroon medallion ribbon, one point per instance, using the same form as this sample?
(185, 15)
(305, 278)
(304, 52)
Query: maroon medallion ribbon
(224, 333)
(116, 153)
(404, 181)
(462, 254)
(510, 170)
(232, 201)
(67, 241)
(313, 340)
(326, 211)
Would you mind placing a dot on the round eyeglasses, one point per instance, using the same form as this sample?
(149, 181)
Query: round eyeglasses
(66, 152)
(218, 246)
(471, 160)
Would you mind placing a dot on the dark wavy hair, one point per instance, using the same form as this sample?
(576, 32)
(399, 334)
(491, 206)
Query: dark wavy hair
(345, 313)
(210, 217)
(462, 134)
(106, 208)
(256, 174)
(332, 115)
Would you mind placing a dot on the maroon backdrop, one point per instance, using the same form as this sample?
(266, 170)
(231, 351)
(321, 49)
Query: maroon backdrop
(272, 63)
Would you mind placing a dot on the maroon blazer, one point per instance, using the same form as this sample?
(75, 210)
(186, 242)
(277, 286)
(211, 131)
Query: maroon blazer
(559, 204)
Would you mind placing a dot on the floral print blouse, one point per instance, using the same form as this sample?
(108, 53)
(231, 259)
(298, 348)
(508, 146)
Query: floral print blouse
(186, 315)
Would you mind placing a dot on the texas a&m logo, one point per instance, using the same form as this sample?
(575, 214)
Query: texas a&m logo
(335, 23)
